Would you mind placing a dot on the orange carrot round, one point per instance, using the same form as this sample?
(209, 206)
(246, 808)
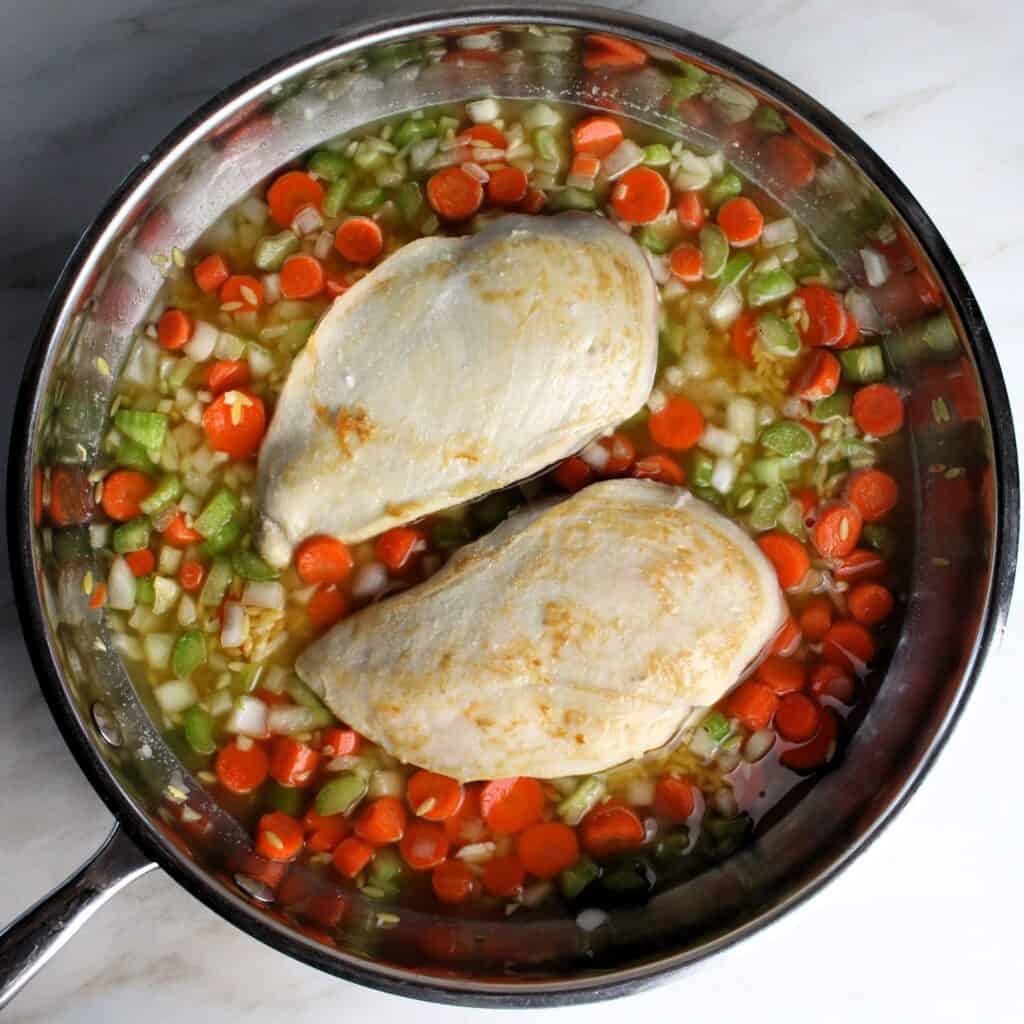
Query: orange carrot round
(382, 821)
(302, 277)
(837, 529)
(803, 131)
(454, 193)
(503, 877)
(507, 186)
(661, 468)
(174, 329)
(878, 410)
(351, 855)
(603, 51)
(453, 882)
(621, 454)
(235, 422)
(819, 750)
(179, 534)
(870, 603)
(292, 763)
(753, 704)
(797, 718)
(788, 556)
(210, 273)
(787, 640)
(874, 493)
(191, 575)
(690, 211)
(861, 564)
(816, 618)
(227, 374)
(141, 563)
(424, 845)
(848, 644)
(640, 196)
(677, 425)
(597, 135)
(323, 559)
(510, 805)
(326, 607)
(825, 316)
(547, 848)
(572, 474)
(397, 546)
(686, 263)
(290, 193)
(359, 239)
(278, 837)
(674, 798)
(243, 289)
(788, 161)
(323, 832)
(781, 675)
(819, 377)
(433, 796)
(741, 221)
(743, 335)
(610, 827)
(486, 133)
(241, 771)
(828, 680)
(123, 492)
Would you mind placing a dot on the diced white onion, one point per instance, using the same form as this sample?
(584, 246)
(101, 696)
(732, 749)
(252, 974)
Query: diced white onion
(540, 115)
(876, 267)
(741, 418)
(283, 719)
(477, 853)
(165, 593)
(716, 161)
(766, 414)
(143, 363)
(660, 268)
(248, 717)
(387, 782)
(479, 41)
(702, 745)
(868, 318)
(220, 703)
(694, 172)
(157, 648)
(175, 696)
(323, 245)
(128, 646)
(261, 362)
(483, 111)
(625, 155)
(233, 631)
(229, 346)
(275, 678)
(779, 232)
(264, 594)
(725, 803)
(271, 288)
(201, 345)
(474, 170)
(169, 560)
(719, 441)
(121, 586)
(254, 210)
(99, 535)
(371, 580)
(795, 408)
(186, 611)
(422, 152)
(591, 919)
(596, 456)
(723, 475)
(307, 220)
(640, 792)
(758, 744)
(726, 308)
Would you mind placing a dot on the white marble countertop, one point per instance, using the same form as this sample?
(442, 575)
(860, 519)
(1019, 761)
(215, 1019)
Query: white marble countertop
(926, 924)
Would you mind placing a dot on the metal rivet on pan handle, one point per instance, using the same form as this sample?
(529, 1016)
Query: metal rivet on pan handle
(107, 724)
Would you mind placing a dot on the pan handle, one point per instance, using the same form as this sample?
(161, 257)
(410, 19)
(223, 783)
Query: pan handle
(29, 941)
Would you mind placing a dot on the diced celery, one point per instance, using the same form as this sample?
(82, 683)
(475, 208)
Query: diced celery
(880, 538)
(775, 470)
(410, 202)
(301, 693)
(272, 251)
(183, 368)
(188, 654)
(777, 337)
(387, 867)
(286, 799)
(657, 155)
(836, 406)
(165, 594)
(132, 455)
(168, 490)
(341, 794)
(716, 725)
(789, 439)
(198, 725)
(573, 880)
(247, 678)
(336, 196)
(132, 536)
(219, 511)
(250, 566)
(545, 144)
(413, 129)
(145, 591)
(764, 512)
(328, 164)
(658, 240)
(701, 468)
(682, 87)
(863, 365)
(673, 845)
(146, 428)
(223, 540)
(735, 268)
(769, 286)
(708, 494)
(366, 200)
(671, 341)
(368, 155)
(728, 185)
(940, 335)
(572, 199)
(574, 808)
(768, 119)
(297, 335)
(859, 452)
(217, 582)
(714, 250)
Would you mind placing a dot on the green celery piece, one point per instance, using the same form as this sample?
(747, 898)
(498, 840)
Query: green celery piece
(336, 196)
(657, 155)
(366, 200)
(735, 268)
(132, 455)
(297, 335)
(222, 541)
(387, 867)
(768, 119)
(146, 428)
(168, 490)
(716, 725)
(777, 337)
(701, 468)
(328, 164)
(571, 198)
(684, 87)
(789, 439)
(708, 494)
(673, 845)
(836, 406)
(368, 156)
(880, 538)
(657, 240)
(574, 808)
(219, 511)
(246, 679)
(410, 202)
(272, 251)
(302, 694)
(714, 250)
(188, 654)
(547, 147)
(767, 507)
(198, 725)
(250, 566)
(145, 591)
(573, 880)
(287, 799)
(132, 536)
(341, 794)
(414, 129)
(769, 286)
(728, 185)
(864, 365)
(940, 335)
(180, 373)
(775, 470)
(671, 341)
(218, 579)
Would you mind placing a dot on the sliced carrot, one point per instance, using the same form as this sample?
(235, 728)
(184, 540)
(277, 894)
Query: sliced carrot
(597, 135)
(397, 546)
(741, 221)
(640, 196)
(870, 603)
(803, 131)
(660, 468)
(359, 239)
(848, 644)
(602, 51)
(828, 680)
(235, 422)
(70, 496)
(507, 186)
(351, 855)
(123, 492)
(326, 607)
(788, 161)
(862, 564)
(210, 273)
(290, 193)
(98, 597)
(503, 876)
(621, 454)
(677, 425)
(819, 377)
(797, 718)
(241, 771)
(585, 165)
(572, 474)
(227, 374)
(781, 675)
(753, 704)
(270, 697)
(382, 821)
(878, 410)
(323, 559)
(788, 555)
(819, 750)
(324, 832)
(547, 848)
(433, 796)
(690, 211)
(302, 277)
(454, 193)
(611, 827)
(336, 284)
(467, 824)
(292, 763)
(141, 563)
(743, 335)
(174, 329)
(787, 640)
(852, 333)
(424, 845)
(337, 742)
(241, 292)
(488, 134)
(674, 798)
(191, 575)
(179, 533)
(687, 263)
(533, 202)
(509, 805)
(825, 316)
(873, 492)
(837, 529)
(453, 882)
(808, 498)
(278, 837)
(816, 618)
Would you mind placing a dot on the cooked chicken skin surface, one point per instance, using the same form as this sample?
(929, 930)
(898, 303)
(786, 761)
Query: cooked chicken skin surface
(572, 638)
(456, 367)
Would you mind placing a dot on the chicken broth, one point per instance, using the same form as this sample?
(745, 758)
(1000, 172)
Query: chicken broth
(769, 403)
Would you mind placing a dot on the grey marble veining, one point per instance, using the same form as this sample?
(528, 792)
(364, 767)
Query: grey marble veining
(87, 87)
